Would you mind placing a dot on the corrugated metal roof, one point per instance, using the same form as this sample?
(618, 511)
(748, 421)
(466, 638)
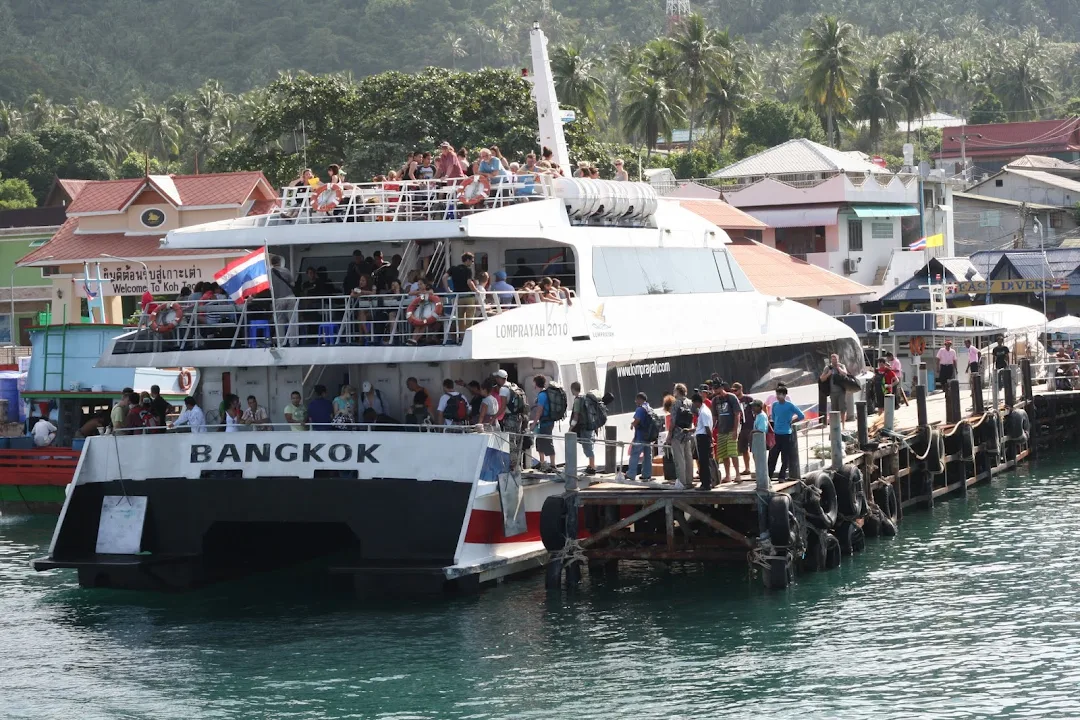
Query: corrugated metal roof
(1047, 179)
(722, 215)
(1001, 201)
(798, 156)
(1038, 137)
(1029, 264)
(1042, 162)
(774, 272)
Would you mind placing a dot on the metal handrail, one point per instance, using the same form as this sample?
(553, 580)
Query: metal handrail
(337, 320)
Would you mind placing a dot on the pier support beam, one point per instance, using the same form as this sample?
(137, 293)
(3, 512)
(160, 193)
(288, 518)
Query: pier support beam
(920, 404)
(570, 466)
(952, 401)
(890, 411)
(610, 449)
(978, 406)
(837, 437)
(995, 386)
(1025, 379)
(863, 430)
(1008, 384)
(761, 474)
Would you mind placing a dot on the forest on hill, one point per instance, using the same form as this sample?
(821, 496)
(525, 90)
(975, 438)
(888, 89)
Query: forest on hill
(101, 89)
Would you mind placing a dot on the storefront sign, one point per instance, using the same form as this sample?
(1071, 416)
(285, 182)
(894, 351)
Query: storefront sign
(165, 277)
(1010, 287)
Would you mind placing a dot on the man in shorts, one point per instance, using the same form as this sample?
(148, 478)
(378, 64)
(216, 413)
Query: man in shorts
(747, 429)
(727, 414)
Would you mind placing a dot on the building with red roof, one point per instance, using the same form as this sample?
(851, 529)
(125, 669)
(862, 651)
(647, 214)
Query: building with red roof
(110, 242)
(992, 147)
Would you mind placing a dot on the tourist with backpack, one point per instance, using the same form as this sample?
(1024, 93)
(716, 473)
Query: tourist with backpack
(513, 407)
(453, 408)
(543, 424)
(681, 438)
(579, 424)
(646, 427)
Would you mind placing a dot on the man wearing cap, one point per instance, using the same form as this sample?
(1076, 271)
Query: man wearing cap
(371, 398)
(447, 165)
(512, 423)
(946, 364)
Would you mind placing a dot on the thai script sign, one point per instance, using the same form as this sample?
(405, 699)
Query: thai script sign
(160, 278)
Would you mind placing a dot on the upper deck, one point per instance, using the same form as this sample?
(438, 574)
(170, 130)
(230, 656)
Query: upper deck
(404, 210)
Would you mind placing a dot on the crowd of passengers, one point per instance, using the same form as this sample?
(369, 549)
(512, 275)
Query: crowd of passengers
(452, 165)
(374, 302)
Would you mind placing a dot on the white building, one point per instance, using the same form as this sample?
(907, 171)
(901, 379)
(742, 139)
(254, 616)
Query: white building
(838, 210)
(1030, 186)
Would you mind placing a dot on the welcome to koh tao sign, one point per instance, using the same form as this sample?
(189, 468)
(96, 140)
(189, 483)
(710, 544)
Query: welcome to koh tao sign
(457, 457)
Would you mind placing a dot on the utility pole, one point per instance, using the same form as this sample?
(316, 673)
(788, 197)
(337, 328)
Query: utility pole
(1021, 236)
(963, 137)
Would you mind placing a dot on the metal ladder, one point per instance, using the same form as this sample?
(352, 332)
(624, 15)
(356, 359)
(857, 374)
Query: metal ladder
(52, 356)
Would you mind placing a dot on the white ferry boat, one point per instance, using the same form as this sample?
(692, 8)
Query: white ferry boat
(652, 298)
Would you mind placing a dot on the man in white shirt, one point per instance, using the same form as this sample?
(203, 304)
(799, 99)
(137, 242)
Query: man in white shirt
(946, 360)
(703, 440)
(256, 415)
(973, 359)
(192, 416)
(44, 433)
(449, 404)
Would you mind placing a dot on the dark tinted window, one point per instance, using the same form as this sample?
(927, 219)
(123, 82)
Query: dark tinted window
(629, 271)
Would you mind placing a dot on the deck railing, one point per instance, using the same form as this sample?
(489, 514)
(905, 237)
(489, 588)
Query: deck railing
(340, 320)
(404, 200)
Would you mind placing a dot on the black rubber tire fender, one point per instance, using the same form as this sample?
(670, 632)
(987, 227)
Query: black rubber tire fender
(1017, 425)
(848, 481)
(833, 552)
(778, 576)
(872, 524)
(553, 523)
(845, 534)
(816, 550)
(888, 528)
(885, 499)
(826, 505)
(967, 440)
(779, 520)
(858, 539)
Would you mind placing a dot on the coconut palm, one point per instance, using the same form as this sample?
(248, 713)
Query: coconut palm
(913, 77)
(182, 107)
(660, 60)
(874, 102)
(699, 60)
(153, 128)
(577, 80)
(1022, 87)
(730, 92)
(651, 109)
(455, 48)
(830, 47)
(39, 111)
(11, 119)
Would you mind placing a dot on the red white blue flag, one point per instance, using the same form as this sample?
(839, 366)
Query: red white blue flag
(246, 276)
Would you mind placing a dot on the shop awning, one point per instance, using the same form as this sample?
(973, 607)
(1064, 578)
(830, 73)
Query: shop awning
(796, 217)
(884, 211)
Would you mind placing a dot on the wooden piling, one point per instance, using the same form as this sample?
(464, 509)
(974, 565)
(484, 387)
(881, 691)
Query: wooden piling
(1008, 384)
(570, 466)
(611, 450)
(920, 405)
(978, 406)
(1025, 378)
(952, 402)
(863, 430)
(836, 436)
(890, 411)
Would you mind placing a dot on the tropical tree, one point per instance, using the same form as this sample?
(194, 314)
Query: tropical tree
(699, 59)
(660, 60)
(577, 81)
(830, 47)
(652, 109)
(455, 48)
(39, 111)
(914, 79)
(11, 119)
(1022, 87)
(15, 194)
(154, 129)
(875, 103)
(729, 93)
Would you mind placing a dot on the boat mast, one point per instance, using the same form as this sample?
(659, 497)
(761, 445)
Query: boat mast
(547, 104)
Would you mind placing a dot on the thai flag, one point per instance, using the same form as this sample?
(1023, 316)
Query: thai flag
(919, 244)
(245, 276)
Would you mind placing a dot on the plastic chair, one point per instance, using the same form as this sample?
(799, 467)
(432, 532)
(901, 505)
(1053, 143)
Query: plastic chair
(258, 329)
(328, 333)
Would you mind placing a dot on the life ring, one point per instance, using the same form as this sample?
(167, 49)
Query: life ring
(184, 380)
(474, 190)
(423, 319)
(325, 198)
(161, 323)
(916, 345)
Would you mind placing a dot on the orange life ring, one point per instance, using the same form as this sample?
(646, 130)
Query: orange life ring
(161, 324)
(481, 189)
(185, 380)
(916, 345)
(416, 319)
(325, 198)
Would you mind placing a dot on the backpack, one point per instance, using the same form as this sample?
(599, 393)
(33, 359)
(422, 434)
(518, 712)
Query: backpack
(595, 411)
(556, 402)
(457, 409)
(684, 414)
(517, 403)
(654, 425)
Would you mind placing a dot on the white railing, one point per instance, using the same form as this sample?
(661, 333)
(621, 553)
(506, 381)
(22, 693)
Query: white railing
(404, 200)
(332, 321)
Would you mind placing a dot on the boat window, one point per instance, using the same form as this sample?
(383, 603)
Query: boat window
(536, 263)
(623, 271)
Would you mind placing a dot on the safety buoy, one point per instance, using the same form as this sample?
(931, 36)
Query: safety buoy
(166, 317)
(424, 310)
(916, 345)
(185, 380)
(325, 198)
(474, 190)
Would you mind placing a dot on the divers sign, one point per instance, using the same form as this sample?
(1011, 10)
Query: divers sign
(1010, 287)
(340, 453)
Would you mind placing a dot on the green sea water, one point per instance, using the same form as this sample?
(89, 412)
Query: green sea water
(971, 612)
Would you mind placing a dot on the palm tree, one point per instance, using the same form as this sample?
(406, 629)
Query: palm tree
(153, 128)
(577, 82)
(829, 50)
(182, 108)
(212, 103)
(660, 60)
(39, 111)
(455, 47)
(651, 109)
(913, 79)
(730, 92)
(875, 103)
(699, 60)
(1022, 87)
(11, 120)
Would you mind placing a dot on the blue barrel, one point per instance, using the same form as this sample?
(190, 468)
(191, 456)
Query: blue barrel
(77, 444)
(24, 442)
(9, 390)
(4, 443)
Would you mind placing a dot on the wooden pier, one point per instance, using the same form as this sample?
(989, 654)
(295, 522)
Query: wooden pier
(900, 460)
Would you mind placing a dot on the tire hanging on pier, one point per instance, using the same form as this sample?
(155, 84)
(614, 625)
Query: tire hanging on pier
(821, 503)
(817, 546)
(848, 482)
(885, 499)
(781, 518)
(778, 575)
(967, 441)
(851, 537)
(553, 523)
(832, 551)
(888, 528)
(1018, 426)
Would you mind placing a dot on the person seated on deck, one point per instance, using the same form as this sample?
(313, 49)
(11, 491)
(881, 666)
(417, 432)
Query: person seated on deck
(305, 179)
(503, 290)
(44, 433)
(530, 293)
(98, 424)
(547, 291)
(562, 292)
(490, 167)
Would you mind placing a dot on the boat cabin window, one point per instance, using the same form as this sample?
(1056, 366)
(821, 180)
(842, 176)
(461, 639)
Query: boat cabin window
(626, 271)
(536, 263)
